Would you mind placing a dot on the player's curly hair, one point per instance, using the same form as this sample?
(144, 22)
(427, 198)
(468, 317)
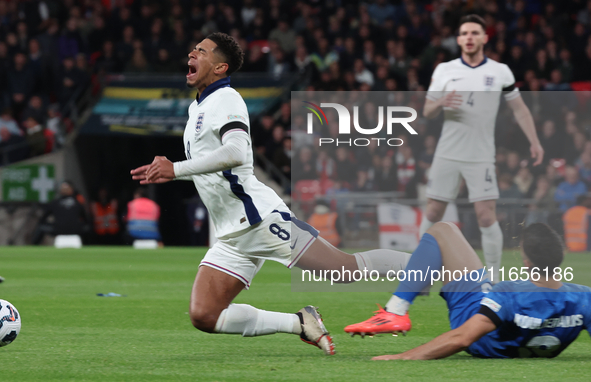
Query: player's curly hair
(542, 246)
(473, 18)
(229, 49)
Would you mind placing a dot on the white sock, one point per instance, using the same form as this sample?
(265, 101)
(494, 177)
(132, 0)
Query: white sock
(250, 321)
(492, 246)
(425, 225)
(382, 260)
(397, 305)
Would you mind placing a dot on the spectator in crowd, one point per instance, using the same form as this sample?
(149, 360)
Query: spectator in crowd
(70, 42)
(362, 74)
(105, 215)
(39, 139)
(35, 109)
(284, 35)
(71, 80)
(405, 167)
(362, 181)
(13, 147)
(387, 178)
(276, 141)
(142, 218)
(584, 167)
(507, 188)
(513, 163)
(282, 157)
(123, 50)
(8, 123)
(55, 125)
(576, 223)
(524, 180)
(108, 60)
(164, 63)
(326, 222)
(304, 168)
(345, 168)
(138, 62)
(568, 191)
(21, 82)
(69, 216)
(325, 165)
(556, 83)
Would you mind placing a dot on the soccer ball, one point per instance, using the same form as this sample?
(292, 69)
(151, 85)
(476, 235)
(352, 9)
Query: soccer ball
(10, 323)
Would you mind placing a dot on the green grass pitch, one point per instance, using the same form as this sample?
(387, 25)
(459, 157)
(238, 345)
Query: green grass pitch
(70, 334)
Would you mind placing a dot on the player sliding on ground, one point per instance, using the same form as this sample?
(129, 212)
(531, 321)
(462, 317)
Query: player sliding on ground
(251, 221)
(513, 319)
(468, 90)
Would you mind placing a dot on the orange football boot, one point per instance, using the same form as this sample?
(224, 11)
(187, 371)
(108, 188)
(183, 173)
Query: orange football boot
(382, 322)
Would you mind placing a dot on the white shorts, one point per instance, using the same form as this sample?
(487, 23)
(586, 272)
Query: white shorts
(444, 180)
(280, 237)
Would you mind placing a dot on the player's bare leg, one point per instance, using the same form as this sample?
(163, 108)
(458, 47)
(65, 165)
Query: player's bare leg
(433, 214)
(443, 246)
(324, 256)
(213, 291)
(492, 235)
(456, 252)
(212, 311)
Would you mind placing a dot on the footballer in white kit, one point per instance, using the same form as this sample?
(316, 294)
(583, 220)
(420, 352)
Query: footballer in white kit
(250, 220)
(468, 90)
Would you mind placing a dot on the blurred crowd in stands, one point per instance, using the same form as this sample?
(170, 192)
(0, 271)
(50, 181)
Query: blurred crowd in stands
(50, 50)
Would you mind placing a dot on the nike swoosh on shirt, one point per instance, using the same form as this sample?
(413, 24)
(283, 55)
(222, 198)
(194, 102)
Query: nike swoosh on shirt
(488, 189)
(294, 244)
(457, 79)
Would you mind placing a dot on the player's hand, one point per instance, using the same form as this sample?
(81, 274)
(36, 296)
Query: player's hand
(160, 171)
(452, 100)
(139, 173)
(387, 357)
(537, 153)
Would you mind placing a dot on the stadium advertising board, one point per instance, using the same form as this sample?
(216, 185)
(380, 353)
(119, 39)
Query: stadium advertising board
(148, 106)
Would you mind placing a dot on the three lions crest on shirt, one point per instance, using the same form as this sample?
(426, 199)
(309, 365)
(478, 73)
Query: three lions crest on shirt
(199, 123)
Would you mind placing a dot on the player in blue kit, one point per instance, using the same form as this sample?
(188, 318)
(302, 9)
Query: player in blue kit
(519, 319)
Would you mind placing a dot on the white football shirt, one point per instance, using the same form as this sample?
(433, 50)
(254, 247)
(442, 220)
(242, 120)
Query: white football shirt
(469, 132)
(235, 198)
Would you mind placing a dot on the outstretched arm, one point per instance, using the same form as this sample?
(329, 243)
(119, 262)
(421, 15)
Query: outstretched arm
(232, 153)
(526, 122)
(448, 343)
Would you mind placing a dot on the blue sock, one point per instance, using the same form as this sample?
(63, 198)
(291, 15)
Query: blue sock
(425, 258)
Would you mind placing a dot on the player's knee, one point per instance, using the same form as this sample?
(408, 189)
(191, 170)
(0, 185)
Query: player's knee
(203, 319)
(485, 218)
(443, 229)
(434, 215)
(435, 211)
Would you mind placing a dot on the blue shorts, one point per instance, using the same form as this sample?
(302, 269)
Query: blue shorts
(463, 298)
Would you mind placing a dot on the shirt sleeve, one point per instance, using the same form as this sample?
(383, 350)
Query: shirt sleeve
(437, 84)
(231, 116)
(496, 306)
(510, 91)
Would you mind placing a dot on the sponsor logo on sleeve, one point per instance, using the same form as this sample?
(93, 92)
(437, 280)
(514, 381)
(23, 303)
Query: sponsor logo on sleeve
(233, 117)
(493, 305)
